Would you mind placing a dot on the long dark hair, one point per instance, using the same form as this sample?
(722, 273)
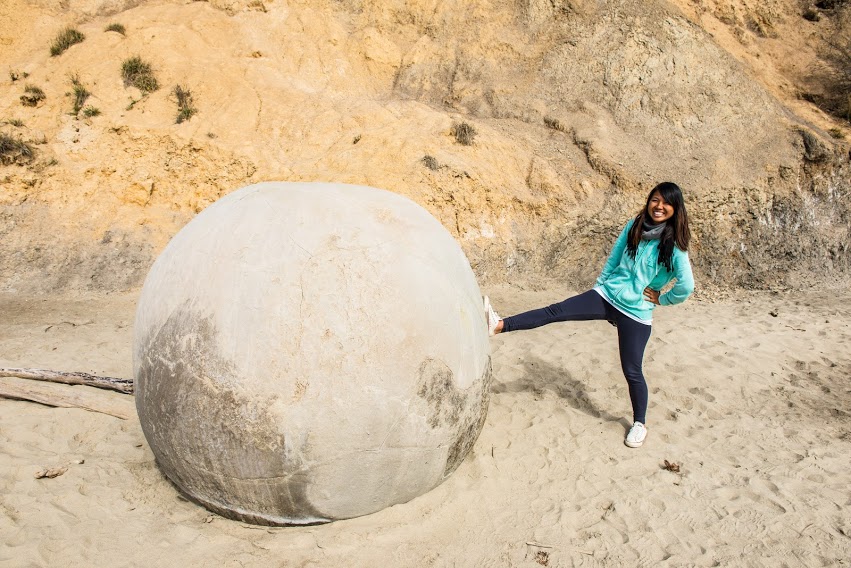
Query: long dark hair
(676, 228)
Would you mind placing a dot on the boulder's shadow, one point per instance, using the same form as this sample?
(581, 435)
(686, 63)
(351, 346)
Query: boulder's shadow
(541, 375)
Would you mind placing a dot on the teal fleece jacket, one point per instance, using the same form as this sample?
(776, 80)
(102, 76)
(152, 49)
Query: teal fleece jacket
(623, 279)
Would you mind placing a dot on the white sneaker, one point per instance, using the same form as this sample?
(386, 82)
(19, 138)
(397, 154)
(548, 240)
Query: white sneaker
(636, 435)
(491, 316)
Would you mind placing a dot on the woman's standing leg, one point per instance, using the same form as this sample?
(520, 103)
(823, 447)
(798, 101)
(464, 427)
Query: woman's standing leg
(632, 340)
(584, 307)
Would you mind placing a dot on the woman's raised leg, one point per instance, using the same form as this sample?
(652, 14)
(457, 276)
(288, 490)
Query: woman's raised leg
(584, 307)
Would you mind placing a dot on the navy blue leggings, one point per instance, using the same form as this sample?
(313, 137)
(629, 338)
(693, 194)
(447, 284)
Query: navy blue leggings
(632, 337)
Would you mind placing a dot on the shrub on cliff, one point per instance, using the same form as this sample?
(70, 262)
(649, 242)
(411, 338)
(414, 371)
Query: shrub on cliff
(185, 105)
(139, 74)
(78, 94)
(14, 151)
(118, 28)
(464, 133)
(32, 96)
(65, 39)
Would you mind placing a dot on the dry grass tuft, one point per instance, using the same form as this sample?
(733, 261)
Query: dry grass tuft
(114, 27)
(185, 108)
(32, 96)
(553, 123)
(430, 162)
(463, 133)
(78, 94)
(65, 39)
(14, 151)
(139, 74)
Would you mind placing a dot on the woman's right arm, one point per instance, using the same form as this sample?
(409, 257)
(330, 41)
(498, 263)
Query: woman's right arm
(615, 255)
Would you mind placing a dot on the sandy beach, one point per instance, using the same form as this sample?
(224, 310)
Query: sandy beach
(532, 130)
(750, 400)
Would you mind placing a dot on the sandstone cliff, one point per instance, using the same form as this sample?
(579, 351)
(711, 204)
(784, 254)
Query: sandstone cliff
(579, 107)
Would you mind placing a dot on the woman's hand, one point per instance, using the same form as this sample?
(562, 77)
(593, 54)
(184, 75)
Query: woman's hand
(651, 295)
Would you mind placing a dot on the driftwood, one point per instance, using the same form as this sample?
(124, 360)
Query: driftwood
(67, 397)
(111, 383)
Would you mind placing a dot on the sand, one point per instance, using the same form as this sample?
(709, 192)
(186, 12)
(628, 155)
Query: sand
(750, 397)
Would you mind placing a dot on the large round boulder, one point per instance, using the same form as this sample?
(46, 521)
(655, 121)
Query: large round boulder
(306, 352)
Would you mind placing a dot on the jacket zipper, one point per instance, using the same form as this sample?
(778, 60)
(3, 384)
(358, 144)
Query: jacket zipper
(643, 253)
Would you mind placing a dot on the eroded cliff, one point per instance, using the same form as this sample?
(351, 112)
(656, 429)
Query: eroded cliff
(578, 106)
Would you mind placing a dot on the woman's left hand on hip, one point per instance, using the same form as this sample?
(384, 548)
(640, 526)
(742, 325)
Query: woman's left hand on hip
(651, 295)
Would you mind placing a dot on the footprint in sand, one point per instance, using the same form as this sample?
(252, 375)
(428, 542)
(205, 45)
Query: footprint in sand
(725, 360)
(702, 393)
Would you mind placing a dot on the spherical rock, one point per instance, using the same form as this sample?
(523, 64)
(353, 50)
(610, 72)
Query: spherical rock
(306, 352)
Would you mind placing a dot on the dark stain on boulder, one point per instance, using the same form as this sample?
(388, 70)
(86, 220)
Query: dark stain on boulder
(462, 410)
(474, 421)
(219, 446)
(437, 387)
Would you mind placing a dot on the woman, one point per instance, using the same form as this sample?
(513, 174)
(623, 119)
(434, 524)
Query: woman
(650, 252)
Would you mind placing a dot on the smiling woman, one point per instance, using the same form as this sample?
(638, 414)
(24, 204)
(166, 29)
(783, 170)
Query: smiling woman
(650, 252)
(659, 209)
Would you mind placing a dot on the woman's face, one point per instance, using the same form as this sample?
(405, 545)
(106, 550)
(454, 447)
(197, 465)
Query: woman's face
(658, 209)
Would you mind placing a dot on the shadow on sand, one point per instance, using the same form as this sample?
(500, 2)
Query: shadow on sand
(541, 375)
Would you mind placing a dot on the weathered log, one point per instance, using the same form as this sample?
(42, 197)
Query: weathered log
(111, 383)
(67, 397)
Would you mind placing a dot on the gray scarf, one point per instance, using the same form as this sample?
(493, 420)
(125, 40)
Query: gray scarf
(651, 232)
